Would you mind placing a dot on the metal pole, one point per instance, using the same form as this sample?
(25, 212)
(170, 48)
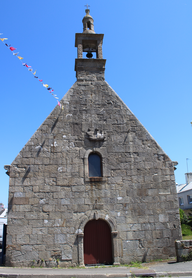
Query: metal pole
(187, 163)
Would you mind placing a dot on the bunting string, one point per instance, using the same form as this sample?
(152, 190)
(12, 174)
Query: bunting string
(12, 49)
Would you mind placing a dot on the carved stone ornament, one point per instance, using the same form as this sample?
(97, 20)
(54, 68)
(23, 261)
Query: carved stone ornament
(96, 135)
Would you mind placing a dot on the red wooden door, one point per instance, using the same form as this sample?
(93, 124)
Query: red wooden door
(97, 243)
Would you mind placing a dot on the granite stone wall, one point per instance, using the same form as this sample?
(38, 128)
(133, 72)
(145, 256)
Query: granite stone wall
(183, 250)
(51, 196)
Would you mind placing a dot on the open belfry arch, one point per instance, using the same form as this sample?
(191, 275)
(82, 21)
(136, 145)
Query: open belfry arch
(91, 165)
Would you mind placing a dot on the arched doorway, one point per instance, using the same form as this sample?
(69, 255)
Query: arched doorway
(97, 243)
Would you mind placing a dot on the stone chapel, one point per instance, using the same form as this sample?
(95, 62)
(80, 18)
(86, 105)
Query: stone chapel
(91, 186)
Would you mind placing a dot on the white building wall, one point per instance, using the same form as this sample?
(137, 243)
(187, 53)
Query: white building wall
(185, 204)
(3, 220)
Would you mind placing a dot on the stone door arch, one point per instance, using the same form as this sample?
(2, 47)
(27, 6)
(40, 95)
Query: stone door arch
(97, 243)
(80, 235)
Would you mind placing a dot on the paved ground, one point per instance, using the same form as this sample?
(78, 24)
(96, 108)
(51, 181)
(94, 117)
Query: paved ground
(157, 269)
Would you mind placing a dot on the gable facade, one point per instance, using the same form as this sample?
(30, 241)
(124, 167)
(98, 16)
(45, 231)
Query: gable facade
(52, 195)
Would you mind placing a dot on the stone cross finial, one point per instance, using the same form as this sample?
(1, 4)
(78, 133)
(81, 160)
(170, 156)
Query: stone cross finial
(87, 6)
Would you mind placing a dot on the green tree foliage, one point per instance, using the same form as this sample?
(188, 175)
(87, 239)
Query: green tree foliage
(190, 219)
(183, 217)
(186, 224)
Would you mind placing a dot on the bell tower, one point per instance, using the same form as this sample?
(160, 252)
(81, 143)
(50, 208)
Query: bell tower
(89, 68)
(88, 25)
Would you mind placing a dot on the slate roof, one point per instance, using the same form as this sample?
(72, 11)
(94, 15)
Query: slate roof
(3, 213)
(184, 187)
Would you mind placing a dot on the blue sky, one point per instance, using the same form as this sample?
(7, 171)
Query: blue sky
(147, 45)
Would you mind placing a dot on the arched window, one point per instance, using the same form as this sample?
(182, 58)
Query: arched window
(95, 165)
